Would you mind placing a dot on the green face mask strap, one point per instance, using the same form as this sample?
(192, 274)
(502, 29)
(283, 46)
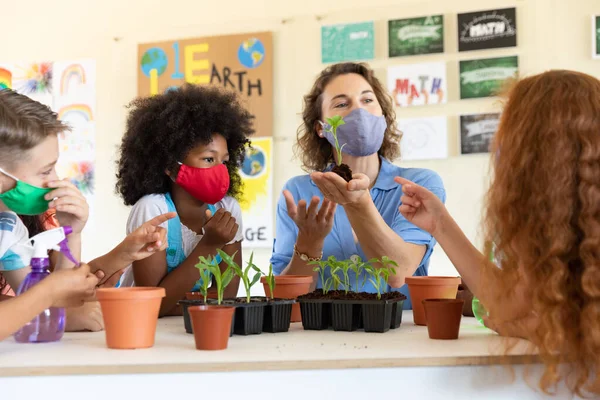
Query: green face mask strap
(9, 175)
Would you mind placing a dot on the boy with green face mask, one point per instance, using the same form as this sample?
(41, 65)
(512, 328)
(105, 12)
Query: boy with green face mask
(29, 186)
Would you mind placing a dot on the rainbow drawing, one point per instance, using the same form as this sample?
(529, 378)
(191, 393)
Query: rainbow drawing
(35, 79)
(72, 72)
(82, 110)
(5, 79)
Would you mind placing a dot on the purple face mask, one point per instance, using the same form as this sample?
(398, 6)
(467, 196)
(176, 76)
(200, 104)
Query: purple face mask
(362, 133)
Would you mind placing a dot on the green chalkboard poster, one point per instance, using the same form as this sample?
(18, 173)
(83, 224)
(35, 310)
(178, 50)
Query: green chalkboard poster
(596, 36)
(347, 42)
(412, 36)
(485, 77)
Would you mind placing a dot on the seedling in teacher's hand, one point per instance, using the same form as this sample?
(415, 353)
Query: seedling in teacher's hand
(243, 274)
(335, 122)
(341, 169)
(270, 279)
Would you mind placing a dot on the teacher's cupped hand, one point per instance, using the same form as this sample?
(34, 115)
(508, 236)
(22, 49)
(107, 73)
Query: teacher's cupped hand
(337, 190)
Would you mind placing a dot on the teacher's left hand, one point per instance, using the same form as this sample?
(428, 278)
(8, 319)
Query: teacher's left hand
(336, 189)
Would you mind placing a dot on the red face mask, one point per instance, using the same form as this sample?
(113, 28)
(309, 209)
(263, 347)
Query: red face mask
(209, 185)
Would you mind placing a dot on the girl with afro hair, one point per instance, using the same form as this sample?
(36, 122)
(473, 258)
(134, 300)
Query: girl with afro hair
(181, 152)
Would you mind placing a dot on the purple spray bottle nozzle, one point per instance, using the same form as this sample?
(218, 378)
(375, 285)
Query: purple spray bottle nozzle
(64, 246)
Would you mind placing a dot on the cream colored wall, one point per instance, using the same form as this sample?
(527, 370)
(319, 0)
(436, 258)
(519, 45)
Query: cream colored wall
(551, 34)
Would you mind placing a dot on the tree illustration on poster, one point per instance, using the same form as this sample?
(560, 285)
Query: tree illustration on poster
(485, 77)
(347, 42)
(412, 36)
(596, 36)
(477, 132)
(243, 63)
(491, 29)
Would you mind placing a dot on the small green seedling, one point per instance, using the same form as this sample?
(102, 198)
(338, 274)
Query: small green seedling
(357, 265)
(380, 276)
(222, 278)
(243, 274)
(342, 266)
(335, 122)
(321, 267)
(270, 279)
(205, 275)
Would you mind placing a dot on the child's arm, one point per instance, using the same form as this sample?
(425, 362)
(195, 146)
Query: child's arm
(152, 271)
(60, 289)
(148, 239)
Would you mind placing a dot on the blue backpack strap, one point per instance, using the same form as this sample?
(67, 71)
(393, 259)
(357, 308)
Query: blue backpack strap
(175, 254)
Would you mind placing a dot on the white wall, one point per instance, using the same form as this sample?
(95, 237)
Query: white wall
(551, 34)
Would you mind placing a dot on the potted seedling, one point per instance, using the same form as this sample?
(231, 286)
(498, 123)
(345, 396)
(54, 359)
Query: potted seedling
(278, 312)
(213, 324)
(209, 270)
(341, 169)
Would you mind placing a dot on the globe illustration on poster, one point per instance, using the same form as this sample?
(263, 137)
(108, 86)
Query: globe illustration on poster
(254, 163)
(251, 53)
(154, 58)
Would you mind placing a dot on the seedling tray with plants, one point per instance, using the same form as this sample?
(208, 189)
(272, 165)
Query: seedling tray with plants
(253, 315)
(348, 309)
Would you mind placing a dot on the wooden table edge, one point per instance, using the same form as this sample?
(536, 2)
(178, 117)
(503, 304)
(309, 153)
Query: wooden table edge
(117, 369)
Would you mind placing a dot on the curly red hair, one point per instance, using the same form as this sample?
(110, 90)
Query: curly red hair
(543, 216)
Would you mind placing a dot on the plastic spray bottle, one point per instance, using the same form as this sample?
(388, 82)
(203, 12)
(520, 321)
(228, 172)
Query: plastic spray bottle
(49, 326)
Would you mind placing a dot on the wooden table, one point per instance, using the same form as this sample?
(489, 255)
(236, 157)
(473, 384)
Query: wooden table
(347, 360)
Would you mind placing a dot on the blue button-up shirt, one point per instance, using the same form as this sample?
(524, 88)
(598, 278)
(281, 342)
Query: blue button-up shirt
(340, 242)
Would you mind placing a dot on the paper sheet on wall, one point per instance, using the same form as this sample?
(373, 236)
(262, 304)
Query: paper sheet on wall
(424, 138)
(257, 201)
(418, 84)
(69, 89)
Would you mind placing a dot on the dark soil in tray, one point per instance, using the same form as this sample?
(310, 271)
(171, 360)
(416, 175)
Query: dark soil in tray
(344, 171)
(340, 295)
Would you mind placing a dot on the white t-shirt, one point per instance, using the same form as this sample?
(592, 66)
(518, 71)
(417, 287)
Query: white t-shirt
(14, 252)
(153, 205)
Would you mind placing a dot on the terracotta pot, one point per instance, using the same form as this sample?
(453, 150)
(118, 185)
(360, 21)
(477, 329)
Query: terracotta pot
(289, 287)
(211, 326)
(443, 317)
(200, 296)
(130, 315)
(430, 287)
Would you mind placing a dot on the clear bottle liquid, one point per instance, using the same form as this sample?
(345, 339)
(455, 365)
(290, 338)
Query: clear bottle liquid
(49, 326)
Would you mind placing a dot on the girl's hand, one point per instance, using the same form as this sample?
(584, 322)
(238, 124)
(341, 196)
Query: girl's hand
(70, 204)
(420, 206)
(338, 191)
(220, 229)
(313, 224)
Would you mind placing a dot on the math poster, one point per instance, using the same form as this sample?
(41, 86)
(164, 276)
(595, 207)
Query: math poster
(490, 29)
(413, 36)
(348, 42)
(418, 84)
(596, 36)
(243, 63)
(486, 77)
(424, 138)
(257, 201)
(477, 132)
